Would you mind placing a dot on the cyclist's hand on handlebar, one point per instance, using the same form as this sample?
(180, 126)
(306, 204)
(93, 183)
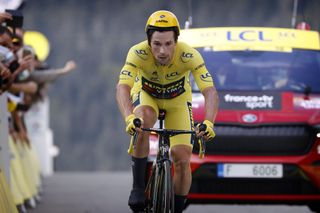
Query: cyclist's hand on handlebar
(208, 133)
(130, 126)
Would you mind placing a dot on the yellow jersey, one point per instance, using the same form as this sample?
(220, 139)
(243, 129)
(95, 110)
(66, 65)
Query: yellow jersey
(164, 82)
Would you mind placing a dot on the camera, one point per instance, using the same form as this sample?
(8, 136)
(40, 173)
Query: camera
(17, 19)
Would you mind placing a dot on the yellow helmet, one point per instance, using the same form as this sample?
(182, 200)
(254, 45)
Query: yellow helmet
(163, 19)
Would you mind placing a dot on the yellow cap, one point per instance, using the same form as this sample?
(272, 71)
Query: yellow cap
(39, 42)
(162, 19)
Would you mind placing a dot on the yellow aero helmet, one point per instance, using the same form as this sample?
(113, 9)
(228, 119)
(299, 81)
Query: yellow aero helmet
(163, 19)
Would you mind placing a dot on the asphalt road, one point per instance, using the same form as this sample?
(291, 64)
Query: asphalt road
(102, 192)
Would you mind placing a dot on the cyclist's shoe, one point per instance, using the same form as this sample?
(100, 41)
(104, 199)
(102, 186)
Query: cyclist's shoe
(137, 200)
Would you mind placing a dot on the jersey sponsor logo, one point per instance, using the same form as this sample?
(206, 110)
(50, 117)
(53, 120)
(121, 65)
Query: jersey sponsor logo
(154, 76)
(166, 91)
(198, 67)
(142, 54)
(186, 57)
(171, 76)
(206, 77)
(192, 139)
(131, 64)
(190, 114)
(136, 99)
(126, 73)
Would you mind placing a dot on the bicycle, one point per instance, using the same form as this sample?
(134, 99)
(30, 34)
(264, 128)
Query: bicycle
(159, 190)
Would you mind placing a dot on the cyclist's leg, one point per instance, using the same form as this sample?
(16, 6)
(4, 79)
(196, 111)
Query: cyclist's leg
(179, 116)
(181, 155)
(145, 108)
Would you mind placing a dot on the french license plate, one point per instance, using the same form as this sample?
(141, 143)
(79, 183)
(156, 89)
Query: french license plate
(237, 170)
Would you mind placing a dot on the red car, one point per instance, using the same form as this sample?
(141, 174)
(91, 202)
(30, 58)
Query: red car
(267, 144)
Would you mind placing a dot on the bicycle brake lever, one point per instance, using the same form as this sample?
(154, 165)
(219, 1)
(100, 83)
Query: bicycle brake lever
(202, 148)
(135, 137)
(202, 127)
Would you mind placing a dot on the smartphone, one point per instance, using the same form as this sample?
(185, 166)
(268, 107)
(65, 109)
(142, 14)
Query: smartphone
(26, 52)
(17, 18)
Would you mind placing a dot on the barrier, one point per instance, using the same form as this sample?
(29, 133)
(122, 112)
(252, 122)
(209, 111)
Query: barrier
(7, 204)
(4, 149)
(37, 122)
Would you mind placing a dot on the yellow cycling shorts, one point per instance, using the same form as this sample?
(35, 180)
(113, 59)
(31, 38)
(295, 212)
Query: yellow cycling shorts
(178, 114)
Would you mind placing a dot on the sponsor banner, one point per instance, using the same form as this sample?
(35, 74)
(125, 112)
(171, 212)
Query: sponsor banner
(250, 100)
(302, 103)
(257, 38)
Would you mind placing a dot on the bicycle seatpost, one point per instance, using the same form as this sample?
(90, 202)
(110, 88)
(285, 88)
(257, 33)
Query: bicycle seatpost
(161, 117)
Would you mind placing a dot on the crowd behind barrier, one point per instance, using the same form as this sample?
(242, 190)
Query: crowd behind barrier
(24, 79)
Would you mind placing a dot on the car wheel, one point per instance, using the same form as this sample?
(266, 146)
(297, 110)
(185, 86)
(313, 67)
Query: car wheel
(315, 207)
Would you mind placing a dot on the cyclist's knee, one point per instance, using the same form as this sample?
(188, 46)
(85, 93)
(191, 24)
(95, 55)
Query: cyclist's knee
(181, 165)
(148, 115)
(181, 157)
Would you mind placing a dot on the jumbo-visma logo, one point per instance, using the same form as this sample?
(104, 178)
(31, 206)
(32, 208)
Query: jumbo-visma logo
(206, 77)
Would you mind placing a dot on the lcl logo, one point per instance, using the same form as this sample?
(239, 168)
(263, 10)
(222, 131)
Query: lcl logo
(248, 35)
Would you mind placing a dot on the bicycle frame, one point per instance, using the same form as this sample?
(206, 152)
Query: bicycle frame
(159, 189)
(160, 180)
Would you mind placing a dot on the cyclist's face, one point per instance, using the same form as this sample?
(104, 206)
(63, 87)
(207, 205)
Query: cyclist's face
(162, 46)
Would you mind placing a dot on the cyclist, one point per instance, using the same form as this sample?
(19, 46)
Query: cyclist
(156, 76)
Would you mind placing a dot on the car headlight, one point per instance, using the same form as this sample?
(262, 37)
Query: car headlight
(317, 129)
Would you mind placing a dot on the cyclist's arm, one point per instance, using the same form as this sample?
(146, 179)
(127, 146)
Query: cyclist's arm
(205, 83)
(123, 99)
(211, 99)
(126, 81)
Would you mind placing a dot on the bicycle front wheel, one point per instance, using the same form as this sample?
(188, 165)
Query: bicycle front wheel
(168, 192)
(164, 201)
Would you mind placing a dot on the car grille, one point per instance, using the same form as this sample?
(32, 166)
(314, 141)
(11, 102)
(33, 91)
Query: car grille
(294, 181)
(260, 140)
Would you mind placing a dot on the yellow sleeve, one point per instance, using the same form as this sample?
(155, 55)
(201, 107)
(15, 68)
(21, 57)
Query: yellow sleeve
(200, 73)
(130, 69)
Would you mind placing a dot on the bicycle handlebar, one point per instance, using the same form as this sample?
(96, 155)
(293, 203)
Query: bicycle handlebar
(172, 132)
(137, 123)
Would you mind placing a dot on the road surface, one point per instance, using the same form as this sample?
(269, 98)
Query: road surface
(107, 192)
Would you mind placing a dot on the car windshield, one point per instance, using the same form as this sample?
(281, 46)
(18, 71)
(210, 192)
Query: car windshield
(295, 71)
